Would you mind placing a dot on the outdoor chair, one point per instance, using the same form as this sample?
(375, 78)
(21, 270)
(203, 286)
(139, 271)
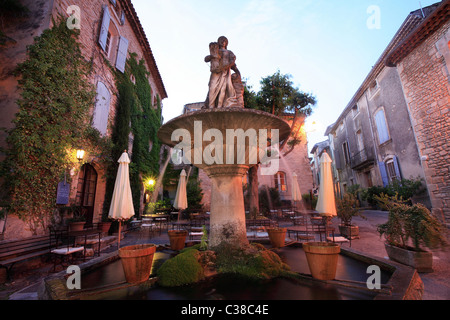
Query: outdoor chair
(64, 251)
(148, 225)
(194, 232)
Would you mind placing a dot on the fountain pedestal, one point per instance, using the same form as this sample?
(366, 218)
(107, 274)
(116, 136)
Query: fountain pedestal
(227, 222)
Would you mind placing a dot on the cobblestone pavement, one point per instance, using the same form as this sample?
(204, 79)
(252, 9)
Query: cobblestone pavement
(437, 284)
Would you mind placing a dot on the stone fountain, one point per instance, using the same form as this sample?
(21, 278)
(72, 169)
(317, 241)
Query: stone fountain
(225, 139)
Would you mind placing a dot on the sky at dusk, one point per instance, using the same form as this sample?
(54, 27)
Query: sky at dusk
(328, 47)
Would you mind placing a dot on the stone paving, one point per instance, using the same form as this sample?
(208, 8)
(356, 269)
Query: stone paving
(437, 284)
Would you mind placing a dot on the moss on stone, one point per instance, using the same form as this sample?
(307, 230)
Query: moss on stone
(180, 270)
(254, 262)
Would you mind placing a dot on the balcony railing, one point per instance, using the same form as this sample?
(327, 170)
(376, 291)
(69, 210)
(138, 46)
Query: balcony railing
(363, 158)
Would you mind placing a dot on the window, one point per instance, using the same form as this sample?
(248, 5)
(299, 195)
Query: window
(390, 170)
(355, 110)
(108, 43)
(114, 45)
(101, 111)
(346, 153)
(382, 129)
(280, 181)
(359, 140)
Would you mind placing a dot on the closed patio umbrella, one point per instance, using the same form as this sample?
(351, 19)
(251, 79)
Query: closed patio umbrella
(296, 193)
(180, 202)
(122, 200)
(326, 203)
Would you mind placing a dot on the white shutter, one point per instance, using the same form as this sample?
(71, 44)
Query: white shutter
(122, 54)
(104, 28)
(101, 111)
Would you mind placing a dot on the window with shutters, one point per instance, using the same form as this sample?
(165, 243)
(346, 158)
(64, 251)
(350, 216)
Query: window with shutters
(346, 153)
(101, 110)
(113, 44)
(390, 170)
(381, 125)
(280, 181)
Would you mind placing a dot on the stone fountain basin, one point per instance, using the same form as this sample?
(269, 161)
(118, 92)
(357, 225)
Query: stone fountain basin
(222, 119)
(103, 279)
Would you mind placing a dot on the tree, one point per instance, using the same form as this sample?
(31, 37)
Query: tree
(279, 97)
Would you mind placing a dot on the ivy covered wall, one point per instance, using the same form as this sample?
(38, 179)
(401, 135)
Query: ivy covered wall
(139, 119)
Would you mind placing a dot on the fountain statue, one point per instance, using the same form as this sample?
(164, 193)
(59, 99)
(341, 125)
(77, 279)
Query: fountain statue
(225, 139)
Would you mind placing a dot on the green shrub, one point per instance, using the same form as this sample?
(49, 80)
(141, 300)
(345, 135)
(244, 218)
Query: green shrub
(405, 188)
(410, 222)
(347, 208)
(254, 263)
(268, 198)
(180, 270)
(308, 201)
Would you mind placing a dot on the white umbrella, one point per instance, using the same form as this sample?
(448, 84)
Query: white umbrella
(326, 203)
(180, 202)
(122, 200)
(296, 193)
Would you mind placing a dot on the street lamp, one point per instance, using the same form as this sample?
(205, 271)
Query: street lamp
(151, 182)
(80, 154)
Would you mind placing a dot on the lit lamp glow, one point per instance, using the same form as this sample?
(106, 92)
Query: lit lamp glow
(151, 182)
(80, 154)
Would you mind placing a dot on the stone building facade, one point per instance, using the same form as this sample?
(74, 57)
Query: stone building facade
(109, 32)
(403, 111)
(422, 61)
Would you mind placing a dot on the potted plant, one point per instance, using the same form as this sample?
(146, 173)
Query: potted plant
(137, 262)
(78, 220)
(177, 239)
(105, 224)
(277, 236)
(347, 208)
(322, 259)
(410, 228)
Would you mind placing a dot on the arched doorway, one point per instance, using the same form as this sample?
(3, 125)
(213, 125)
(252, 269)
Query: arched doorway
(87, 184)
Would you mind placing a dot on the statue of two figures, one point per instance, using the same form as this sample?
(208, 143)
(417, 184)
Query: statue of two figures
(225, 89)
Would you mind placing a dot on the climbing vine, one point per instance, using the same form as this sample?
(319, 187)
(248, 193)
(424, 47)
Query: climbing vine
(135, 107)
(52, 120)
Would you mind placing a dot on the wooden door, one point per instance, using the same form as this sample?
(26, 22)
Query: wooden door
(87, 184)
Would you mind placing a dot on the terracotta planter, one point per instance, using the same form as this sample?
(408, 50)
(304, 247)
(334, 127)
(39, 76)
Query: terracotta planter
(322, 259)
(177, 239)
(104, 226)
(277, 236)
(422, 261)
(76, 226)
(349, 231)
(137, 262)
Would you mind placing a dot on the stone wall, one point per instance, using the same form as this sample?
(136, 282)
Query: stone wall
(22, 31)
(426, 84)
